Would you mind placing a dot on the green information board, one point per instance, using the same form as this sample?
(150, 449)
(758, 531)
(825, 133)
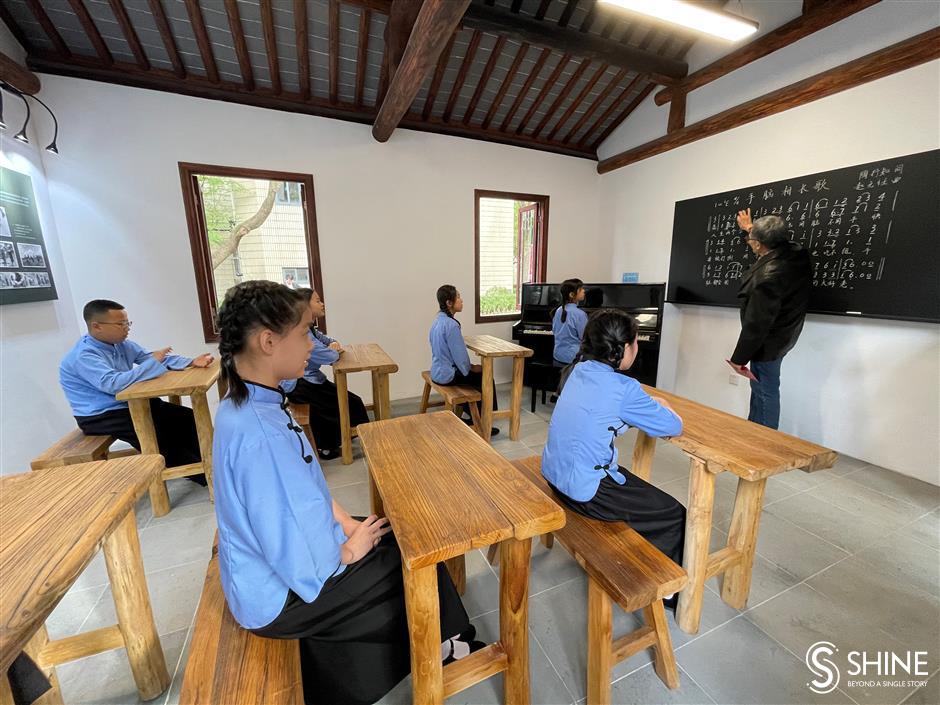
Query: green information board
(24, 263)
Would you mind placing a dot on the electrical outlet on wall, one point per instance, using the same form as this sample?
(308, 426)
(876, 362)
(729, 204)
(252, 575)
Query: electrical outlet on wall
(733, 379)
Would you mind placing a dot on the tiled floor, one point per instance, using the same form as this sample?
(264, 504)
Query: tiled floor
(850, 556)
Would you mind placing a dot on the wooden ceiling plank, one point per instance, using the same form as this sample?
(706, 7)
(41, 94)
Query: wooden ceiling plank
(166, 34)
(334, 50)
(634, 104)
(438, 77)
(270, 45)
(362, 55)
(484, 78)
(566, 14)
(504, 86)
(543, 93)
(40, 14)
(618, 101)
(241, 48)
(302, 42)
(202, 40)
(560, 98)
(130, 34)
(462, 74)
(579, 99)
(539, 63)
(91, 29)
(598, 102)
(7, 18)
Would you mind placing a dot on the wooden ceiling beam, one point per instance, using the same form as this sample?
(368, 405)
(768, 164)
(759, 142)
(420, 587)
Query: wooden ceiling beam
(566, 14)
(589, 17)
(618, 101)
(436, 22)
(598, 102)
(578, 101)
(543, 8)
(819, 17)
(634, 104)
(19, 77)
(484, 78)
(166, 34)
(362, 51)
(202, 40)
(462, 74)
(241, 47)
(571, 41)
(543, 94)
(130, 35)
(911, 52)
(539, 63)
(560, 98)
(270, 45)
(40, 14)
(302, 42)
(401, 20)
(504, 86)
(91, 29)
(334, 50)
(438, 77)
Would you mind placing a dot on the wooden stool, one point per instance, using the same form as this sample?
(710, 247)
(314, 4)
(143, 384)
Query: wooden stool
(301, 414)
(75, 447)
(451, 397)
(624, 567)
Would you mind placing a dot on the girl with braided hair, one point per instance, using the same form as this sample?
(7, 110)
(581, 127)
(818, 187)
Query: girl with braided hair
(293, 563)
(596, 404)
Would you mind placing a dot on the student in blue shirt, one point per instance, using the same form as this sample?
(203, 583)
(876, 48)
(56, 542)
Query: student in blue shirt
(597, 403)
(568, 322)
(293, 563)
(450, 361)
(319, 392)
(104, 362)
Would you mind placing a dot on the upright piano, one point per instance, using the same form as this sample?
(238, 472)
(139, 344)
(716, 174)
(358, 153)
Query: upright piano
(534, 330)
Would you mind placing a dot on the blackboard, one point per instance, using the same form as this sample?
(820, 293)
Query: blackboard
(873, 231)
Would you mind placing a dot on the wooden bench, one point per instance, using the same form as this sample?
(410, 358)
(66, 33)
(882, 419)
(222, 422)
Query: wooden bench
(301, 414)
(452, 396)
(228, 664)
(623, 567)
(75, 447)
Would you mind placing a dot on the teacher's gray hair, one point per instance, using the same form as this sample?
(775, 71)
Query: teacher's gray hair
(771, 231)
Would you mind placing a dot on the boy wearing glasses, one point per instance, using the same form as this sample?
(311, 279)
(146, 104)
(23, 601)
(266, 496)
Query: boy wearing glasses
(103, 363)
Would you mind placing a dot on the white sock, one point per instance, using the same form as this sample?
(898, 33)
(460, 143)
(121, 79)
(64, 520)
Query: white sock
(670, 596)
(454, 647)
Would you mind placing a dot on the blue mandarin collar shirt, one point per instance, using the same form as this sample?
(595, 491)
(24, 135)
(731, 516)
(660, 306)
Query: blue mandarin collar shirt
(275, 513)
(320, 355)
(93, 372)
(448, 351)
(568, 334)
(595, 405)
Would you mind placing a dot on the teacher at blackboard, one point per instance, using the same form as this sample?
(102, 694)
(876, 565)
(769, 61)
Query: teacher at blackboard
(774, 297)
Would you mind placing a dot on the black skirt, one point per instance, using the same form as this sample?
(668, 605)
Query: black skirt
(471, 379)
(324, 411)
(354, 644)
(656, 515)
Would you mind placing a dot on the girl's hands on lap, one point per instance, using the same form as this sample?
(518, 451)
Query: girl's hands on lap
(364, 538)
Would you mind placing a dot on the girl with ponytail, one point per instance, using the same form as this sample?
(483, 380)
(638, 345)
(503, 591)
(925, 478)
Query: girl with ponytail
(568, 321)
(597, 404)
(294, 563)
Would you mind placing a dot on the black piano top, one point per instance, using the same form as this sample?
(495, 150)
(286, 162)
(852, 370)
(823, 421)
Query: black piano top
(645, 301)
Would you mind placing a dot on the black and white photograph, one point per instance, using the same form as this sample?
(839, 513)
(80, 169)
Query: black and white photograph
(13, 280)
(31, 255)
(4, 224)
(7, 255)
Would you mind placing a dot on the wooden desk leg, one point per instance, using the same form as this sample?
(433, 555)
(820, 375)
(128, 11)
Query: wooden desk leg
(486, 404)
(175, 399)
(386, 395)
(342, 396)
(514, 618)
(457, 567)
(643, 450)
(204, 432)
(377, 506)
(600, 639)
(424, 627)
(33, 648)
(518, 368)
(147, 435)
(698, 529)
(132, 604)
(748, 503)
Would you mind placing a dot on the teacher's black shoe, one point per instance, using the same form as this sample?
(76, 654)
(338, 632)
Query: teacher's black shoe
(329, 453)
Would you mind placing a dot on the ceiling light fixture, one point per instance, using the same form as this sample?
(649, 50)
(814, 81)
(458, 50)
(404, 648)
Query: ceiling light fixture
(693, 16)
(21, 135)
(55, 135)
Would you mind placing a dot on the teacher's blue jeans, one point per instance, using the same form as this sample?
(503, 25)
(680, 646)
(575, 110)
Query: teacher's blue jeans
(765, 393)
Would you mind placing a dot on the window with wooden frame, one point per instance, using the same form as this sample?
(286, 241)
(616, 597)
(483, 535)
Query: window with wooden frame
(247, 224)
(510, 249)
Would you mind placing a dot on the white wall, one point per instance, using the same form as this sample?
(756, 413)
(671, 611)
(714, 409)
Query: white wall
(395, 220)
(33, 336)
(870, 389)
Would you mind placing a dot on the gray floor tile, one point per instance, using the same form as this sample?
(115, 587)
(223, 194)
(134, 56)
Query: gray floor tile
(72, 611)
(926, 529)
(173, 694)
(798, 552)
(846, 464)
(767, 580)
(894, 606)
(177, 541)
(482, 594)
(337, 474)
(174, 595)
(928, 694)
(548, 567)
(909, 561)
(353, 498)
(644, 686)
(738, 663)
(845, 530)
(94, 575)
(908, 489)
(802, 617)
(865, 503)
(534, 435)
(106, 679)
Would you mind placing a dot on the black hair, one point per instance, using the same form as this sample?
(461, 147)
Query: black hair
(568, 287)
(99, 307)
(445, 293)
(247, 307)
(606, 333)
(770, 231)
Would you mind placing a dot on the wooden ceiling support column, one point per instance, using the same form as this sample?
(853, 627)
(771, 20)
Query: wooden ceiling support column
(820, 16)
(676, 112)
(911, 52)
(436, 22)
(20, 77)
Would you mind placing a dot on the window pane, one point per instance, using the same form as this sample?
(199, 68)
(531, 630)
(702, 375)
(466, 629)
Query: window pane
(255, 231)
(507, 253)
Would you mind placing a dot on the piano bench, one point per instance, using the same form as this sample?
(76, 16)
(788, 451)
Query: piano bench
(451, 397)
(543, 377)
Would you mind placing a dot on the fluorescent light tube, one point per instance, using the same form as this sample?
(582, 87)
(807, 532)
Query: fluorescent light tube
(701, 19)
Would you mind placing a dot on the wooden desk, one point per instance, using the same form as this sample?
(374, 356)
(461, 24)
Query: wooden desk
(366, 357)
(446, 492)
(193, 382)
(489, 347)
(51, 525)
(717, 442)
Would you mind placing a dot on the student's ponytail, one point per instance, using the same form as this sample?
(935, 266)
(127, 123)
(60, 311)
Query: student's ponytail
(568, 287)
(445, 293)
(246, 308)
